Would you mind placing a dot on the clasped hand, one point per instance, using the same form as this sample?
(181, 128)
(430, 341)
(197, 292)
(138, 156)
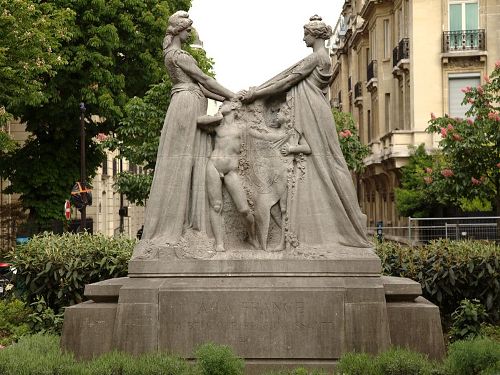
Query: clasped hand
(247, 96)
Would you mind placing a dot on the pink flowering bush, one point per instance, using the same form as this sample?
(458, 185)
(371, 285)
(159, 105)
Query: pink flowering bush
(352, 148)
(470, 147)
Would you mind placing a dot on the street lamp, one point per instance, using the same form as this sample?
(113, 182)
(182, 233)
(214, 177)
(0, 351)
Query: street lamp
(83, 177)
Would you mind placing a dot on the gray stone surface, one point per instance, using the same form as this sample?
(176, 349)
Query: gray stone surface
(136, 325)
(281, 323)
(400, 288)
(88, 329)
(272, 320)
(416, 325)
(360, 262)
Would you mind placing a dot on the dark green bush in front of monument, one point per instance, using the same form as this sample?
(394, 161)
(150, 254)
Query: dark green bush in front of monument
(213, 359)
(53, 269)
(449, 271)
(480, 356)
(471, 357)
(41, 355)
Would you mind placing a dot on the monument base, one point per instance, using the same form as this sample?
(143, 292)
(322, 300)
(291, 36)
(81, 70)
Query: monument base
(273, 317)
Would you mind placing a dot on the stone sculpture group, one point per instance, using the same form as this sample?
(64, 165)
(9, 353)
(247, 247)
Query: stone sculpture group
(273, 148)
(253, 235)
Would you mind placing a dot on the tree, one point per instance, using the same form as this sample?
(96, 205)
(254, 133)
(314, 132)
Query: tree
(138, 136)
(112, 53)
(31, 37)
(352, 148)
(413, 197)
(470, 169)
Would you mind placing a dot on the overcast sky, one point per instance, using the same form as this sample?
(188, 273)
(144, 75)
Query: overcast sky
(253, 40)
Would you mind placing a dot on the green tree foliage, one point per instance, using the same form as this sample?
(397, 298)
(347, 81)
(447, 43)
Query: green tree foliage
(7, 144)
(470, 169)
(352, 148)
(111, 52)
(138, 136)
(412, 197)
(30, 42)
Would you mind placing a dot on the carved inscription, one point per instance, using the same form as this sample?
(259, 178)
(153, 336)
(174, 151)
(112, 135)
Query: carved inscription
(257, 325)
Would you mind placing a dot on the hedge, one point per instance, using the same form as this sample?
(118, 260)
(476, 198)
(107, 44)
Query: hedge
(471, 357)
(449, 271)
(55, 268)
(41, 355)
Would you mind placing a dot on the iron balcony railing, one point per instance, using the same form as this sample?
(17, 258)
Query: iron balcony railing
(464, 40)
(404, 49)
(401, 51)
(371, 71)
(358, 91)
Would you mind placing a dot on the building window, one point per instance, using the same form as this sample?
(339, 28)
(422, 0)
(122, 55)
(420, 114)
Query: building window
(387, 112)
(456, 82)
(115, 167)
(464, 17)
(387, 40)
(373, 44)
(105, 166)
(369, 125)
(132, 168)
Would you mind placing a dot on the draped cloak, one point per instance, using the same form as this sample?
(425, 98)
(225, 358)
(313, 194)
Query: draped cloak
(323, 210)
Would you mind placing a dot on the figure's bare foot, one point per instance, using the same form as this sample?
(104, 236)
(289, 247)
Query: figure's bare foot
(253, 241)
(280, 247)
(220, 248)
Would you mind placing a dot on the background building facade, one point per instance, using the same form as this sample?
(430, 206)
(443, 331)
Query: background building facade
(396, 62)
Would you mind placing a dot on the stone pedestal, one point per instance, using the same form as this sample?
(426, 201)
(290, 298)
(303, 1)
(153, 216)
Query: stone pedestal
(274, 313)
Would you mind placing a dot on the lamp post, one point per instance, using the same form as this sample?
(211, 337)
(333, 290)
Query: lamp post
(83, 176)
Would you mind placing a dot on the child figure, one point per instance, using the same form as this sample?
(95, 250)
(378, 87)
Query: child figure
(223, 167)
(286, 140)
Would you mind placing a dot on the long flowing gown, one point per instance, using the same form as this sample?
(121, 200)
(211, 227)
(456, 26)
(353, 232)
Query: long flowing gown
(323, 210)
(177, 198)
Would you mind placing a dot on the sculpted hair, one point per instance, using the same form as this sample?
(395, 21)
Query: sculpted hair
(317, 28)
(177, 22)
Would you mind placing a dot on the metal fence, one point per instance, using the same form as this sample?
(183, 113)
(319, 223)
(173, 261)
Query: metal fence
(422, 230)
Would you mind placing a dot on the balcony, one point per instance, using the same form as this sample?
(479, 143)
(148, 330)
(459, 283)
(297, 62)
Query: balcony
(358, 94)
(401, 57)
(464, 40)
(371, 76)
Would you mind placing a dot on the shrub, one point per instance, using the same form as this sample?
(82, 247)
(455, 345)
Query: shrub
(14, 320)
(44, 320)
(467, 319)
(297, 371)
(493, 370)
(398, 361)
(473, 357)
(55, 268)
(35, 355)
(449, 271)
(357, 364)
(215, 359)
(490, 331)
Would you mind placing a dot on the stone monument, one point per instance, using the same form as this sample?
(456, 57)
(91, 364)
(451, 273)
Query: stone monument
(253, 235)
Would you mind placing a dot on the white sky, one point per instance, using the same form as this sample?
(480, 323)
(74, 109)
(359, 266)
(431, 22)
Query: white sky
(253, 40)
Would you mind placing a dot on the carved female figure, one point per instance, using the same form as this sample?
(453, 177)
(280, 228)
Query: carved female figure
(178, 198)
(324, 210)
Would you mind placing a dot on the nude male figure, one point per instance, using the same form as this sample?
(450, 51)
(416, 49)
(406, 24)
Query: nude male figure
(222, 167)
